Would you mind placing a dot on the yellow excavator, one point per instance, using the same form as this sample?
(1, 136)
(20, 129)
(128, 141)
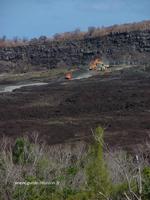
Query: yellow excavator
(97, 64)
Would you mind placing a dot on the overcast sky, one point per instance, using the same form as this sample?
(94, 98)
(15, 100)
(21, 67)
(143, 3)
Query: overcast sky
(32, 18)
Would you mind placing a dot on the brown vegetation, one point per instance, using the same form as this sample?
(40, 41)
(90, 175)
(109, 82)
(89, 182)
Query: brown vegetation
(102, 31)
(77, 34)
(12, 43)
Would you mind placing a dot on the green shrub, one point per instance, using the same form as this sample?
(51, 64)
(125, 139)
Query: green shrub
(68, 191)
(146, 183)
(41, 166)
(118, 191)
(97, 185)
(72, 170)
(97, 174)
(80, 196)
(21, 151)
(34, 192)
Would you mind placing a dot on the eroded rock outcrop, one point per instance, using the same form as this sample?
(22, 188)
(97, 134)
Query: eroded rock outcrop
(131, 48)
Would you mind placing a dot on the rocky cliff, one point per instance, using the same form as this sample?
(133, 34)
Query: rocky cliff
(131, 48)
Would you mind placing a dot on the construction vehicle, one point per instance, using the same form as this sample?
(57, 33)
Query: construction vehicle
(98, 65)
(76, 74)
(68, 75)
(95, 65)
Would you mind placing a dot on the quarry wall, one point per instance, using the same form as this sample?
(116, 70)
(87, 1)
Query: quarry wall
(131, 48)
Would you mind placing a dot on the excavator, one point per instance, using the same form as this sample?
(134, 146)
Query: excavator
(95, 65)
(98, 65)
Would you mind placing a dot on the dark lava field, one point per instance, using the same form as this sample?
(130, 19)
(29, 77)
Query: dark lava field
(66, 111)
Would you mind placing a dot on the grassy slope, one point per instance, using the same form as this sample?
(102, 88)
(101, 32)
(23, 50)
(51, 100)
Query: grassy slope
(10, 78)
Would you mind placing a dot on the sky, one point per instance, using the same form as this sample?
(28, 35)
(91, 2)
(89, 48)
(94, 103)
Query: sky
(33, 18)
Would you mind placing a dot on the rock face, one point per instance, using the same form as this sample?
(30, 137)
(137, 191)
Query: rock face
(131, 48)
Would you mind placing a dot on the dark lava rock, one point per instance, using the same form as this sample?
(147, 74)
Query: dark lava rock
(132, 48)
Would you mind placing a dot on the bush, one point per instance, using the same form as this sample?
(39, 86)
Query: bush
(30, 162)
(146, 183)
(21, 151)
(97, 174)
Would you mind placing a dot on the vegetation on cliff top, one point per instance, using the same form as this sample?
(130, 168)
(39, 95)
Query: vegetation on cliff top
(77, 34)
